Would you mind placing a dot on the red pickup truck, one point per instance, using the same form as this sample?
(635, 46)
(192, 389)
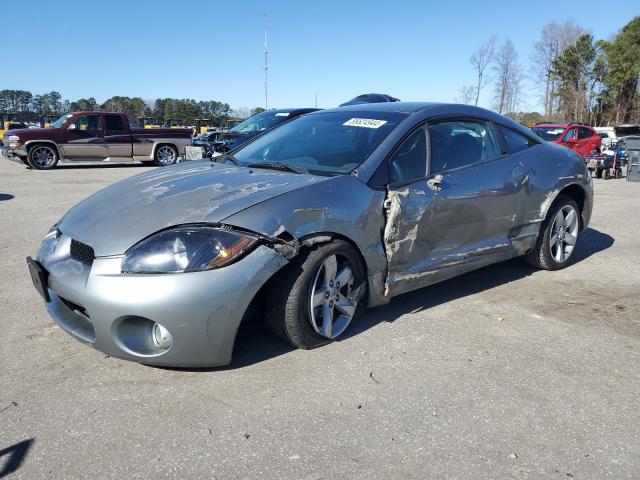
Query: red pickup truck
(95, 136)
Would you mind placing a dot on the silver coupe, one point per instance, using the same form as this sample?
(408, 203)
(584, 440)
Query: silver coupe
(306, 224)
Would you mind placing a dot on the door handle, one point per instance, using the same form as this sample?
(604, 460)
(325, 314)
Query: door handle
(435, 183)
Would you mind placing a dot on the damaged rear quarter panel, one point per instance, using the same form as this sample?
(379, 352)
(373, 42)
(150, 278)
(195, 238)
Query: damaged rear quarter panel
(341, 205)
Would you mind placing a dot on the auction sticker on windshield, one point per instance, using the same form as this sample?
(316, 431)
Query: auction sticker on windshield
(364, 122)
(282, 114)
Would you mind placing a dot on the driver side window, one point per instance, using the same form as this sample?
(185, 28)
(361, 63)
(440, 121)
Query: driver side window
(410, 160)
(88, 122)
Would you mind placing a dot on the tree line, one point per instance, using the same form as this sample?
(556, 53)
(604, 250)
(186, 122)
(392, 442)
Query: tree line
(574, 76)
(31, 107)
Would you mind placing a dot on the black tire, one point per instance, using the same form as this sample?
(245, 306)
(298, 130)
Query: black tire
(618, 173)
(289, 295)
(37, 152)
(605, 174)
(599, 173)
(158, 159)
(540, 255)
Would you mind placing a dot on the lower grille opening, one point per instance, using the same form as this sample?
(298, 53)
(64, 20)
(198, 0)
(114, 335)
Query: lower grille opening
(75, 307)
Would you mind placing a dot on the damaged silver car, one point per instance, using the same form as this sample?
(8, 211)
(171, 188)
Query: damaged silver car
(333, 211)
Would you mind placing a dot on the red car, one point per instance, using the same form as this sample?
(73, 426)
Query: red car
(581, 138)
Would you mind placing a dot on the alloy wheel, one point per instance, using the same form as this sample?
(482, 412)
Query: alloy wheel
(332, 307)
(43, 157)
(166, 155)
(564, 233)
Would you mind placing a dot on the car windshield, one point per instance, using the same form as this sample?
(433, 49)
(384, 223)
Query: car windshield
(260, 122)
(59, 122)
(324, 143)
(548, 133)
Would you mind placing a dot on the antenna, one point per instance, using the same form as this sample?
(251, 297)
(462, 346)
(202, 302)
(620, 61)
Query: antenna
(266, 64)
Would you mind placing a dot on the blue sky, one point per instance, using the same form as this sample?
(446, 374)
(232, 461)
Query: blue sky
(414, 50)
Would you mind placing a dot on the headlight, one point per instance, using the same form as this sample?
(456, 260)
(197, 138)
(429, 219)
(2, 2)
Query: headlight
(187, 249)
(13, 141)
(49, 243)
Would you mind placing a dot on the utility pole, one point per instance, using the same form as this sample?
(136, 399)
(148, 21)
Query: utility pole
(266, 64)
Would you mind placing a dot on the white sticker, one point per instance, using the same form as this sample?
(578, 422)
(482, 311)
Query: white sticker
(364, 122)
(282, 114)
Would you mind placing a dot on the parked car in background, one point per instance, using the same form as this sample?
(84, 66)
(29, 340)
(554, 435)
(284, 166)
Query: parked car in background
(370, 98)
(8, 122)
(219, 142)
(306, 223)
(95, 136)
(608, 136)
(578, 137)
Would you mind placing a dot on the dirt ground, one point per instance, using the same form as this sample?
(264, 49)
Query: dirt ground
(505, 372)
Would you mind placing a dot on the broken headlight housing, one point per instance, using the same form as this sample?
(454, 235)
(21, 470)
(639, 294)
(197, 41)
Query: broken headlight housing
(190, 248)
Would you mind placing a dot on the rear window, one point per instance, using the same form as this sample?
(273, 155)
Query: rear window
(114, 122)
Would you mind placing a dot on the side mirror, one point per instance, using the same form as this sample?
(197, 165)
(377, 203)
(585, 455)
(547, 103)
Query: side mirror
(71, 127)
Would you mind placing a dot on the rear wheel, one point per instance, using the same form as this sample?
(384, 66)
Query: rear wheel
(618, 173)
(165, 155)
(599, 173)
(315, 299)
(605, 174)
(558, 236)
(42, 157)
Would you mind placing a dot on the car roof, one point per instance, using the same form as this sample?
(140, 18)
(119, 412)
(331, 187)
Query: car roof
(291, 110)
(551, 125)
(426, 110)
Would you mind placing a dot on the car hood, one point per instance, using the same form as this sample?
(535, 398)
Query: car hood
(29, 132)
(117, 217)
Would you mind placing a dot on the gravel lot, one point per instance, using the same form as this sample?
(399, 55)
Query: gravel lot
(506, 372)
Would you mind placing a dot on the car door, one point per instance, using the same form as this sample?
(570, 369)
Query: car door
(117, 137)
(459, 216)
(84, 138)
(587, 141)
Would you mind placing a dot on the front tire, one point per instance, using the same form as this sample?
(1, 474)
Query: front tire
(558, 236)
(42, 157)
(165, 155)
(314, 300)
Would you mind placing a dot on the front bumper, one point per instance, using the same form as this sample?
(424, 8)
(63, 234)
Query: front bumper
(13, 154)
(115, 312)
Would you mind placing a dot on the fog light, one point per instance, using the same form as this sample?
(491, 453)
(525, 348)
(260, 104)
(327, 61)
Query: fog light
(161, 336)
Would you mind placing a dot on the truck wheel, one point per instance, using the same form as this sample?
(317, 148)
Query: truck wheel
(605, 174)
(599, 173)
(42, 157)
(165, 155)
(618, 173)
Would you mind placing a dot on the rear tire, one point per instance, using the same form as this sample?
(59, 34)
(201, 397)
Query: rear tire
(42, 157)
(605, 174)
(599, 173)
(310, 302)
(618, 173)
(559, 234)
(165, 155)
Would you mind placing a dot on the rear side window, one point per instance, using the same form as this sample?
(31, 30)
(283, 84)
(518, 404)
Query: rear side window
(584, 133)
(114, 122)
(460, 144)
(410, 160)
(515, 141)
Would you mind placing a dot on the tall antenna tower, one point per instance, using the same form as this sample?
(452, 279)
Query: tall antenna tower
(266, 64)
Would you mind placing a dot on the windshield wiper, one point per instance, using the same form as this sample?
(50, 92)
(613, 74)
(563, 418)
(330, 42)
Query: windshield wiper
(278, 166)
